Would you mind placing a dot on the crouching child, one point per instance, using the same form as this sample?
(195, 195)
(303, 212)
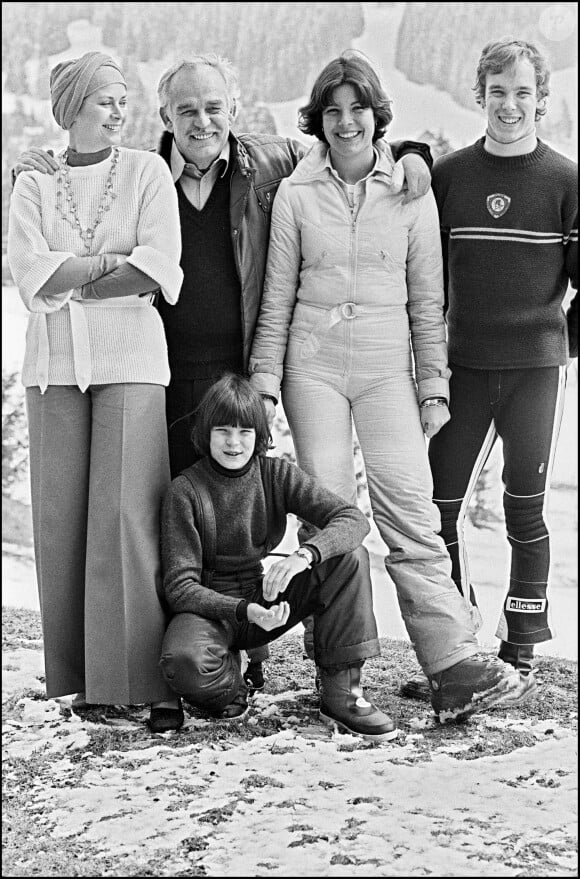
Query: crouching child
(219, 596)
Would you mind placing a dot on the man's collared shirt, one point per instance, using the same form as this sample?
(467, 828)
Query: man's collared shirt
(197, 185)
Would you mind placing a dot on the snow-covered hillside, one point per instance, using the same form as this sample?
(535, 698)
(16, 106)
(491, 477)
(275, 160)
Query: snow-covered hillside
(419, 108)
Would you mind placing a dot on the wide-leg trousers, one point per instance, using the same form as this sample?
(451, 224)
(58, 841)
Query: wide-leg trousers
(99, 468)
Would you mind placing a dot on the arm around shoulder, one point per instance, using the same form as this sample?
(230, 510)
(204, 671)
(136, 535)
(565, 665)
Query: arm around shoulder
(425, 301)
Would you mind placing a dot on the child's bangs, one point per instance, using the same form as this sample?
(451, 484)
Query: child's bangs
(235, 413)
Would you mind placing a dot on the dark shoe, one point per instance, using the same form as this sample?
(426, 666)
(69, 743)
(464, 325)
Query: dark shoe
(521, 656)
(238, 707)
(416, 688)
(526, 688)
(343, 705)
(165, 719)
(254, 677)
(469, 686)
(79, 702)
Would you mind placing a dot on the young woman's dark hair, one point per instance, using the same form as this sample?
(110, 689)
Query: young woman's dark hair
(230, 401)
(354, 69)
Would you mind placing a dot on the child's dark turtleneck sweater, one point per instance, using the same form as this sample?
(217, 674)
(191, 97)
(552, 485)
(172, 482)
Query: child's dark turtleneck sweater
(250, 522)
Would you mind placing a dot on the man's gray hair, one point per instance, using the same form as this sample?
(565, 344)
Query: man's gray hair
(224, 67)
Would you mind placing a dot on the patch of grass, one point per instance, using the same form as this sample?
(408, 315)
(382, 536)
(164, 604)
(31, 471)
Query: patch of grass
(217, 816)
(257, 781)
(20, 627)
(287, 670)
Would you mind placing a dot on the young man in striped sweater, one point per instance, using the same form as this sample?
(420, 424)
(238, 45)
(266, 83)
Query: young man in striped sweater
(509, 217)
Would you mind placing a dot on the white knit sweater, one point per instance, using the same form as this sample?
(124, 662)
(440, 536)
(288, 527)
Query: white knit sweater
(126, 337)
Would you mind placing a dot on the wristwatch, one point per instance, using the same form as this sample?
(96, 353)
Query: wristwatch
(305, 554)
(433, 401)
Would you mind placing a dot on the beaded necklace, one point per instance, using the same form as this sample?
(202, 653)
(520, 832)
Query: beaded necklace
(67, 206)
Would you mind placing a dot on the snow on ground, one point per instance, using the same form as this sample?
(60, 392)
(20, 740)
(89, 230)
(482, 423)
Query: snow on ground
(301, 802)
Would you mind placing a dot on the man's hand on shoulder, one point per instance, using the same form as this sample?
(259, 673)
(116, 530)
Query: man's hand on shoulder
(414, 176)
(35, 159)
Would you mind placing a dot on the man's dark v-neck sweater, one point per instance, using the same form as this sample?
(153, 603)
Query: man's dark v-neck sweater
(204, 328)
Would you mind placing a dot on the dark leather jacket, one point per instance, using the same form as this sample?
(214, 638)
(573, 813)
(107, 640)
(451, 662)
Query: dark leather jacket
(260, 162)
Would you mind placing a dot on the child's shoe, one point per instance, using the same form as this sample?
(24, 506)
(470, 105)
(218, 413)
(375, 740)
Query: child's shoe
(162, 719)
(254, 677)
(343, 704)
(238, 707)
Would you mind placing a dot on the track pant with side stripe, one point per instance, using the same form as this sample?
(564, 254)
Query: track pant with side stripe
(523, 407)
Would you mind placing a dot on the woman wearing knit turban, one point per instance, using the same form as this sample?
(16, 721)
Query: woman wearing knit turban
(88, 249)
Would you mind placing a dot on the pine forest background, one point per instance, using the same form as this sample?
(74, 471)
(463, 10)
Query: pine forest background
(278, 49)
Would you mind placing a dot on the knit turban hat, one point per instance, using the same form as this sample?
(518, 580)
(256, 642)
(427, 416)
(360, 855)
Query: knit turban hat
(71, 82)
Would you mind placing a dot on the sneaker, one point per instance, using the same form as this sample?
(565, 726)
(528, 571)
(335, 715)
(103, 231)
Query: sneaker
(416, 688)
(165, 719)
(526, 688)
(470, 686)
(254, 677)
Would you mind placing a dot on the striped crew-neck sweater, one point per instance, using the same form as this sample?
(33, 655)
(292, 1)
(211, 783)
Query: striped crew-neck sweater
(510, 246)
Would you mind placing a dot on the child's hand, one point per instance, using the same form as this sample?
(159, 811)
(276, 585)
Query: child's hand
(278, 576)
(269, 618)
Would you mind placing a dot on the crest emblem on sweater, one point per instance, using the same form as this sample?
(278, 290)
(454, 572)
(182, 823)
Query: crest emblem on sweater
(497, 204)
